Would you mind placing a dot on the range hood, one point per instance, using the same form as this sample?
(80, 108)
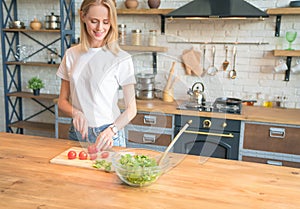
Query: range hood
(218, 9)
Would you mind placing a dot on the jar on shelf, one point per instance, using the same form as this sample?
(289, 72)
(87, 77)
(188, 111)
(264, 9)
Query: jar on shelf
(152, 38)
(153, 4)
(131, 4)
(122, 34)
(136, 37)
(35, 24)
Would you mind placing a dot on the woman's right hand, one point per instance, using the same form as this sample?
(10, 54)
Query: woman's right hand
(81, 124)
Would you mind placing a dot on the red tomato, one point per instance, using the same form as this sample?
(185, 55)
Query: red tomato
(92, 149)
(104, 154)
(71, 155)
(83, 155)
(93, 156)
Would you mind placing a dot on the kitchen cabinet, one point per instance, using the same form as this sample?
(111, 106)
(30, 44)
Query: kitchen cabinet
(13, 68)
(150, 130)
(274, 144)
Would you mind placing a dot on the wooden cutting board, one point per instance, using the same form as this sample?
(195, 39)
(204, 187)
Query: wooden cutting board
(62, 159)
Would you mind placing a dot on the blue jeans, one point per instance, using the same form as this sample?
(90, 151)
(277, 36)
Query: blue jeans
(93, 133)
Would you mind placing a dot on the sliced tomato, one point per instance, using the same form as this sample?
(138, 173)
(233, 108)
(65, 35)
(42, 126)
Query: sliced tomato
(104, 154)
(72, 155)
(83, 155)
(93, 156)
(92, 149)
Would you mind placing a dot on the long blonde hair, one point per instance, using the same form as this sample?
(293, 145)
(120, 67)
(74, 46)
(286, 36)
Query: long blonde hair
(111, 39)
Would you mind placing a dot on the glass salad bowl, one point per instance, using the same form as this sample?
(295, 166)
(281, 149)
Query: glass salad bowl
(138, 167)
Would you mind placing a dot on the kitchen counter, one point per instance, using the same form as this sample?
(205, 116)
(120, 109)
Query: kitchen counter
(28, 180)
(249, 113)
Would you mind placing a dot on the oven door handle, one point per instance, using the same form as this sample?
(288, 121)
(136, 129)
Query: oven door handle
(230, 135)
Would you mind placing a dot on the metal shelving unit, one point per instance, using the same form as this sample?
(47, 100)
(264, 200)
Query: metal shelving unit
(12, 68)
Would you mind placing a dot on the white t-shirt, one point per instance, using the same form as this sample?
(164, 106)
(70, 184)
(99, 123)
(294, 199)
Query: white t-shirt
(95, 77)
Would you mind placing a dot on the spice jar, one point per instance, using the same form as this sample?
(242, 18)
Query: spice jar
(122, 34)
(35, 24)
(136, 37)
(152, 38)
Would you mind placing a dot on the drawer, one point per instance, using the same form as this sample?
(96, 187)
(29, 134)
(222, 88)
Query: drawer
(271, 162)
(281, 139)
(149, 138)
(155, 120)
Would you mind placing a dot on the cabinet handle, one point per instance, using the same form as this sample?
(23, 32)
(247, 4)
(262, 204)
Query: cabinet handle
(148, 119)
(277, 132)
(230, 135)
(273, 162)
(149, 138)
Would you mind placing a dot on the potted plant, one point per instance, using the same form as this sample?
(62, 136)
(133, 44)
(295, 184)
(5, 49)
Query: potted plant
(35, 84)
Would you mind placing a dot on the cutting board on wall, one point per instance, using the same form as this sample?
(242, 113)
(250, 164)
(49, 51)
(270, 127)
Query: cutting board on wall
(62, 159)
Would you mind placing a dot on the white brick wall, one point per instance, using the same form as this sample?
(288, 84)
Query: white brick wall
(255, 63)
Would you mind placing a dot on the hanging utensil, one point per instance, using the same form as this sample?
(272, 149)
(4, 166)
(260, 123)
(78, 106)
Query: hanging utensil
(203, 62)
(226, 62)
(232, 73)
(212, 70)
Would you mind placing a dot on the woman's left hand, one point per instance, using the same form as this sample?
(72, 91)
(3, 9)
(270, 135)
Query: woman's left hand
(105, 139)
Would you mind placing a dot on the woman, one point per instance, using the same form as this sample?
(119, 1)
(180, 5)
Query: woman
(91, 74)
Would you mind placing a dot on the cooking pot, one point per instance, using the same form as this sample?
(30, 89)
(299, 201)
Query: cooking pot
(228, 101)
(145, 86)
(52, 25)
(197, 93)
(145, 78)
(148, 94)
(234, 101)
(145, 94)
(52, 18)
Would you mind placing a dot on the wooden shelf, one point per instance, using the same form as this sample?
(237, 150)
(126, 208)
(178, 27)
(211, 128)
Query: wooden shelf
(284, 11)
(143, 11)
(161, 12)
(41, 64)
(144, 48)
(30, 30)
(38, 126)
(287, 53)
(30, 95)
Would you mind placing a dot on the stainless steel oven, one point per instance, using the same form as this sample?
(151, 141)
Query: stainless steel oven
(213, 137)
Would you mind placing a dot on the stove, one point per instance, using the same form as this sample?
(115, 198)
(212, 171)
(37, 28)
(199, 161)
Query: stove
(222, 105)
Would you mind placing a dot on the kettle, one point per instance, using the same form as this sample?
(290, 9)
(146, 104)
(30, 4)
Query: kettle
(197, 93)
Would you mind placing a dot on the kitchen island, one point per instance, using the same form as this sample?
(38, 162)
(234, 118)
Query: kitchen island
(29, 180)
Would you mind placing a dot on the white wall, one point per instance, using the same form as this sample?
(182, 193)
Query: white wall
(255, 63)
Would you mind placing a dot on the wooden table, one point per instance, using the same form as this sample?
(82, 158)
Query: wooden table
(28, 180)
